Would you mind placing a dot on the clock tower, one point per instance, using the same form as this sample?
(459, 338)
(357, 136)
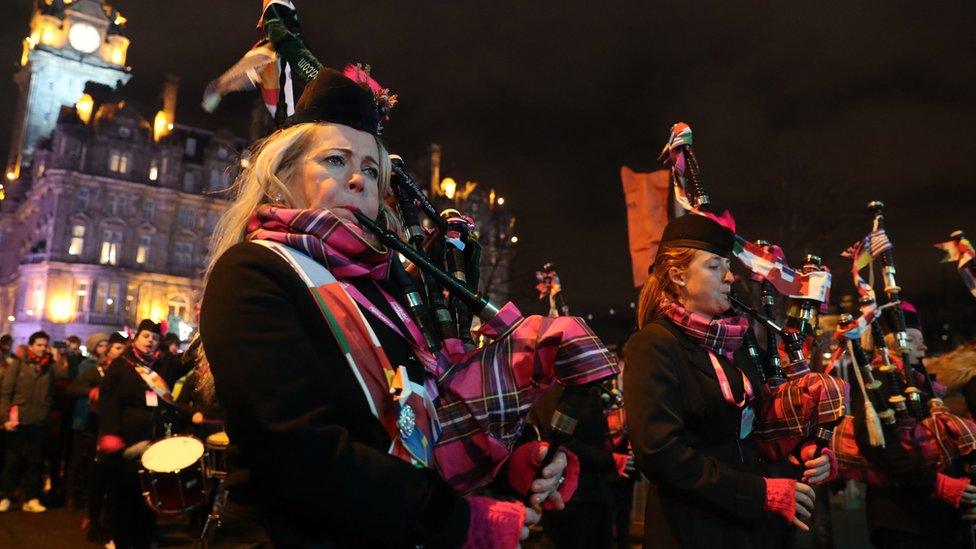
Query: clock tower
(70, 43)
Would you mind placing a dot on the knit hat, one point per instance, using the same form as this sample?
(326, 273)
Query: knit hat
(94, 339)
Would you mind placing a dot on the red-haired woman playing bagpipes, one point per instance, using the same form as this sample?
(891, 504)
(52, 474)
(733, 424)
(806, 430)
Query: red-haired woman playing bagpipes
(692, 397)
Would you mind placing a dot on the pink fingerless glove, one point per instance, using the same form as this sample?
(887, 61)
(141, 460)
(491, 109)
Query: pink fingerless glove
(494, 524)
(781, 497)
(949, 489)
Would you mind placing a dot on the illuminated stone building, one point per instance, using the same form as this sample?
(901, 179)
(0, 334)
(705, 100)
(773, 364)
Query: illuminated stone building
(107, 217)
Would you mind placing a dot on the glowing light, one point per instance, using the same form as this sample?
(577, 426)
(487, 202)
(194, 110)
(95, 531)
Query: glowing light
(161, 125)
(613, 312)
(514, 240)
(501, 200)
(30, 312)
(119, 19)
(118, 56)
(84, 107)
(11, 175)
(448, 187)
(11, 318)
(109, 301)
(632, 305)
(59, 309)
(491, 197)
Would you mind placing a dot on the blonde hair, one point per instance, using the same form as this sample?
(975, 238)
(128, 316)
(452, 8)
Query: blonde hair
(271, 164)
(659, 284)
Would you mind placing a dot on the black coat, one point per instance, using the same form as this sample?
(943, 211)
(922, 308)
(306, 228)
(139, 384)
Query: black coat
(122, 400)
(706, 486)
(316, 454)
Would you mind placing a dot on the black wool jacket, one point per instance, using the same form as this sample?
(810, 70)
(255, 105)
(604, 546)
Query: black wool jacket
(317, 456)
(706, 485)
(122, 400)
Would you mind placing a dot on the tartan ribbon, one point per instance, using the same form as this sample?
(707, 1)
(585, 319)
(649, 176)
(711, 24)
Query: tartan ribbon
(341, 247)
(721, 335)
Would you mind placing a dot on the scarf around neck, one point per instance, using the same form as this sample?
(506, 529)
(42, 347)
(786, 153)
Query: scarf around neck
(341, 247)
(721, 335)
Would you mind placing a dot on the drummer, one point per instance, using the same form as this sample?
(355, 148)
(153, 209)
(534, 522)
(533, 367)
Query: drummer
(135, 404)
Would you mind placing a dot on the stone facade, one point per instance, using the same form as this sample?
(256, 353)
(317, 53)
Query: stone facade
(107, 217)
(114, 227)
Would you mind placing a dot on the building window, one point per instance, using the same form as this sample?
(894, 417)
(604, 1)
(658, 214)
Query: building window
(111, 247)
(177, 308)
(183, 254)
(191, 146)
(116, 203)
(81, 198)
(154, 170)
(106, 297)
(148, 210)
(77, 243)
(165, 164)
(189, 182)
(119, 162)
(185, 217)
(40, 169)
(34, 301)
(142, 252)
(81, 291)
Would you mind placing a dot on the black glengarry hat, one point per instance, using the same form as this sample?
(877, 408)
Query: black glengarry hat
(698, 232)
(351, 98)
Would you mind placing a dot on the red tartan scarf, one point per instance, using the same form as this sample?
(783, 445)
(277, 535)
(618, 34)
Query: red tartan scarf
(40, 362)
(720, 335)
(341, 247)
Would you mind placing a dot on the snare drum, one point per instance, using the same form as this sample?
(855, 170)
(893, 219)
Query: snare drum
(172, 475)
(216, 459)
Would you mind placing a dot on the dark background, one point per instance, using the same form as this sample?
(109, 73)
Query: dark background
(802, 113)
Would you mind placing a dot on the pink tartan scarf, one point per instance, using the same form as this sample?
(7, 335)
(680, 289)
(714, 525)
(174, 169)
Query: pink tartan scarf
(720, 335)
(340, 246)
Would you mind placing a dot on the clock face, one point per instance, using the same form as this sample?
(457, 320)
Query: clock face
(84, 38)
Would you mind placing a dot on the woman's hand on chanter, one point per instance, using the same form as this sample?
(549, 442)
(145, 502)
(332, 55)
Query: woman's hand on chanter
(546, 487)
(532, 518)
(968, 496)
(815, 469)
(804, 505)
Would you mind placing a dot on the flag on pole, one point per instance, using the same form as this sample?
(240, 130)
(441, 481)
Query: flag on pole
(646, 195)
(962, 252)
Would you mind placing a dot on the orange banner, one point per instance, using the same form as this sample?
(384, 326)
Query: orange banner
(646, 195)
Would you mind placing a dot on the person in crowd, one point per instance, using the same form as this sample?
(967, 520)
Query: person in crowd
(7, 358)
(131, 397)
(325, 470)
(25, 402)
(6, 345)
(170, 344)
(82, 442)
(691, 397)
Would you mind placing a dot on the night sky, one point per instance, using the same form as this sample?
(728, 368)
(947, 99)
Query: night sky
(801, 115)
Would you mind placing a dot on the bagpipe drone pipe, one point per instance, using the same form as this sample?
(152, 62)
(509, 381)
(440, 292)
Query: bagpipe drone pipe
(484, 393)
(799, 405)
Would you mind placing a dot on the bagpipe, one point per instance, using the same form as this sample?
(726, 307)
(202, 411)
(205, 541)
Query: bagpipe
(895, 407)
(800, 406)
(484, 393)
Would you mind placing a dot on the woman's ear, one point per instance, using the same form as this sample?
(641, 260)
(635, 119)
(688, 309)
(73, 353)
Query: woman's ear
(676, 276)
